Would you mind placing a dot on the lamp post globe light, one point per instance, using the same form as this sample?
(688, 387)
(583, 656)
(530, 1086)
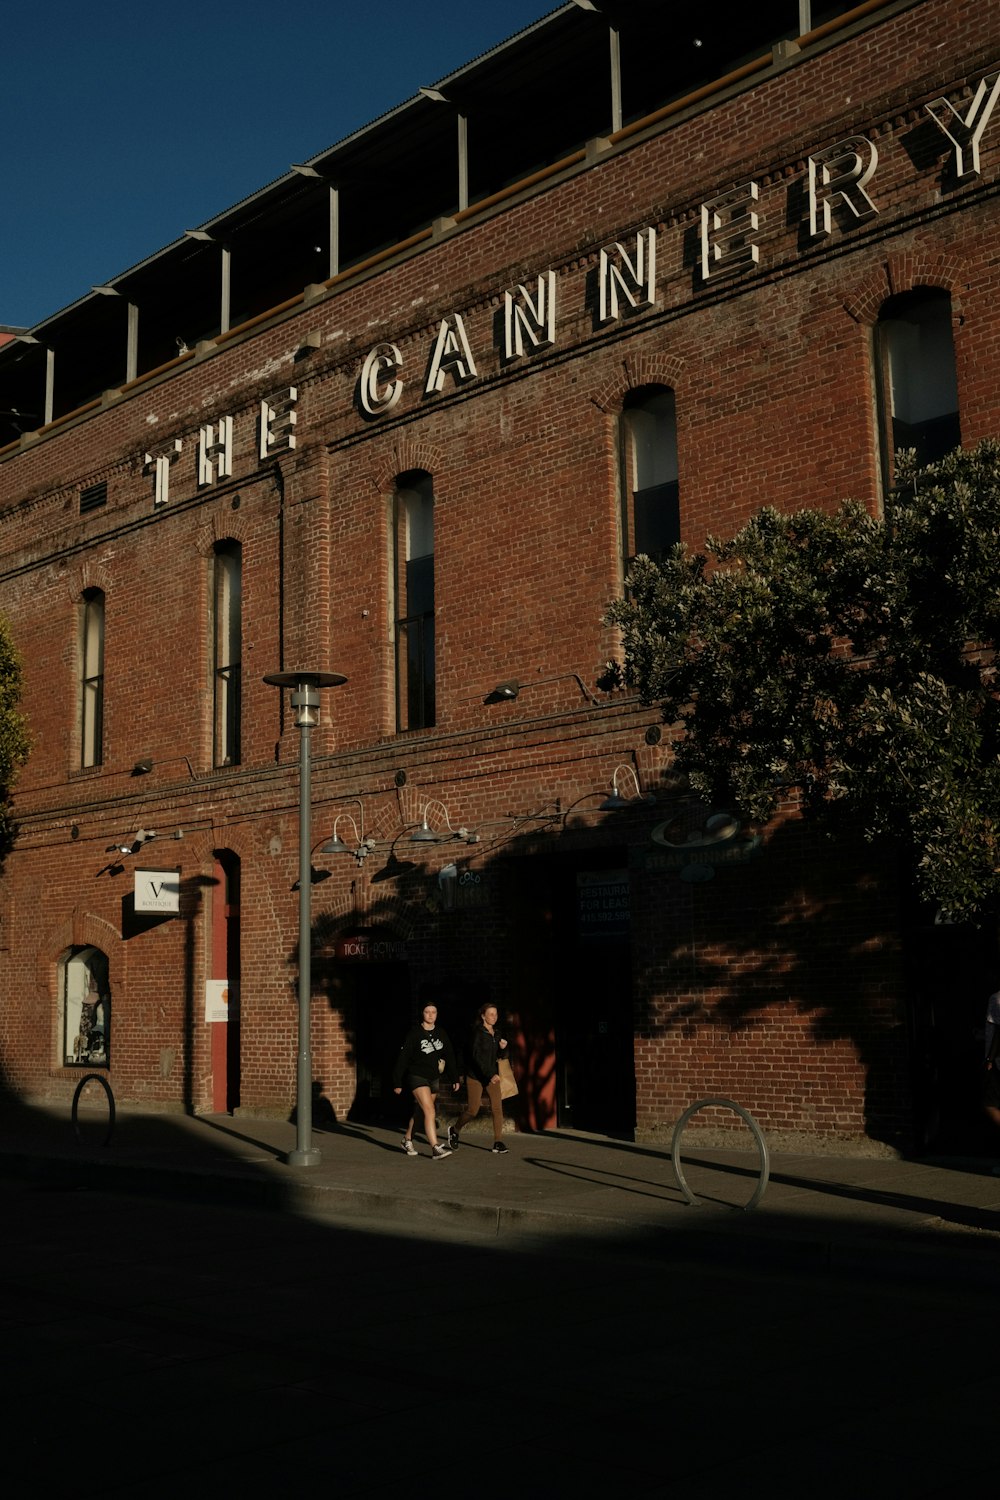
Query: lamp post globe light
(305, 702)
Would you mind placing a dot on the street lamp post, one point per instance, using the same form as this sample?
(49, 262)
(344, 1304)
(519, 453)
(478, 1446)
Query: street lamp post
(305, 701)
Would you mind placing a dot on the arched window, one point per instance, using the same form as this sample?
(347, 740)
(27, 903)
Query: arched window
(651, 509)
(92, 683)
(915, 370)
(228, 628)
(413, 520)
(86, 1005)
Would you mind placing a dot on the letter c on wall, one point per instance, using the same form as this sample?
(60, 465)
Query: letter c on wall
(378, 393)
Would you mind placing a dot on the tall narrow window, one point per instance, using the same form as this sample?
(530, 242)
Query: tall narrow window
(92, 685)
(228, 604)
(414, 578)
(86, 1003)
(651, 512)
(917, 389)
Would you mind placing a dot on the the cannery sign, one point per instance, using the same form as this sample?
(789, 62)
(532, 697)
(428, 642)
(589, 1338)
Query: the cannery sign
(840, 187)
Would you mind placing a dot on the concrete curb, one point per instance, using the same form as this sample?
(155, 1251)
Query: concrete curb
(717, 1235)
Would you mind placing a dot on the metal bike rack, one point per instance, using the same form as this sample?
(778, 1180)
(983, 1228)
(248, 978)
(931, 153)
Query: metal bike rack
(105, 1085)
(756, 1132)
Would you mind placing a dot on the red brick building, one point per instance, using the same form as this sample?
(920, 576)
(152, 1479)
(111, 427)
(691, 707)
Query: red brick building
(405, 415)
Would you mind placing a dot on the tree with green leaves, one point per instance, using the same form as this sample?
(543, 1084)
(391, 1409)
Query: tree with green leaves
(14, 738)
(850, 656)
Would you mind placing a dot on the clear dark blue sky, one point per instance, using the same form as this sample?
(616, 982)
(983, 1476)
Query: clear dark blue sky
(124, 123)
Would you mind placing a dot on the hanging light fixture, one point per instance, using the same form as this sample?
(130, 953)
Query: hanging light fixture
(336, 845)
(615, 801)
(425, 834)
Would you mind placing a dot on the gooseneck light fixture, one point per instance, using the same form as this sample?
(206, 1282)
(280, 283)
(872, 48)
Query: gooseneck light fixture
(425, 834)
(614, 802)
(364, 844)
(305, 702)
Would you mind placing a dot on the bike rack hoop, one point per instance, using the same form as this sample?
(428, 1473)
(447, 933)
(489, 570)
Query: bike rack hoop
(755, 1131)
(105, 1085)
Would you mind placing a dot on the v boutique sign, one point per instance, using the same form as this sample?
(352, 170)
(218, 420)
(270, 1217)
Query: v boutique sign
(157, 891)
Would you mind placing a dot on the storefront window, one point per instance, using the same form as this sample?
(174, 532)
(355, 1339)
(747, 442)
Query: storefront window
(86, 1008)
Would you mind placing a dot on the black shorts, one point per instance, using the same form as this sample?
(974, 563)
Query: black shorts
(414, 1081)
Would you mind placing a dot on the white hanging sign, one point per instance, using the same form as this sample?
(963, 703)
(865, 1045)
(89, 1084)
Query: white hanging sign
(158, 891)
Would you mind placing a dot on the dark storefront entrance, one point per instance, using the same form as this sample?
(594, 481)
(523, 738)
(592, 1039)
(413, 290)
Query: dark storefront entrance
(952, 971)
(368, 980)
(572, 982)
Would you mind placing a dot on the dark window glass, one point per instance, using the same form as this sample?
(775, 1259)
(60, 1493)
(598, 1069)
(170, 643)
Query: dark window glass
(228, 652)
(92, 684)
(414, 574)
(918, 391)
(651, 523)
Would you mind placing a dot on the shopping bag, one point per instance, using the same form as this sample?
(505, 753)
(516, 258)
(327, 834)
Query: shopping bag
(508, 1083)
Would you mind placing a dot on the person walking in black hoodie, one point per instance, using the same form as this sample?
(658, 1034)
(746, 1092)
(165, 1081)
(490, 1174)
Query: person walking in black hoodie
(425, 1056)
(482, 1076)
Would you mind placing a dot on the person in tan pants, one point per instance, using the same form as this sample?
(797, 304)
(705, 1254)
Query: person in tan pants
(483, 1077)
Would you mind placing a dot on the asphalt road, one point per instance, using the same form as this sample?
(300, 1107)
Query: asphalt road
(155, 1349)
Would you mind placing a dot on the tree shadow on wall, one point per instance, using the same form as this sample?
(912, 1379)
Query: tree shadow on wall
(802, 943)
(811, 942)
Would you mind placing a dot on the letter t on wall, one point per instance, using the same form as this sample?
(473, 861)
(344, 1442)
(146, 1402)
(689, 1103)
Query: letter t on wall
(158, 464)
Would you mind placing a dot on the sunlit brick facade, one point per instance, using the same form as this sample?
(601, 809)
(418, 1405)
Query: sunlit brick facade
(426, 472)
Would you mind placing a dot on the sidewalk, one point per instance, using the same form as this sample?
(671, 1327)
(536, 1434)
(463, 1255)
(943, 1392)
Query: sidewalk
(928, 1218)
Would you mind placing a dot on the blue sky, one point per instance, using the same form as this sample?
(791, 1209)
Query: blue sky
(123, 124)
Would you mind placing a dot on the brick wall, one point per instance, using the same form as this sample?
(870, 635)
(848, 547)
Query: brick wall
(779, 983)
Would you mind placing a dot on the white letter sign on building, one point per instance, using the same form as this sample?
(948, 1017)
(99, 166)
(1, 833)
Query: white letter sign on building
(966, 132)
(533, 317)
(380, 387)
(841, 171)
(451, 356)
(158, 891)
(158, 464)
(215, 454)
(620, 275)
(727, 223)
(277, 423)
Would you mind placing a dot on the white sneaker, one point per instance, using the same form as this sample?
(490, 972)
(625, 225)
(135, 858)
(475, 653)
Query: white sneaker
(409, 1147)
(440, 1152)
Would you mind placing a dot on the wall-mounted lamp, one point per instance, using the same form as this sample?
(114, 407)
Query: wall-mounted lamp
(364, 844)
(142, 768)
(504, 692)
(140, 837)
(615, 802)
(425, 834)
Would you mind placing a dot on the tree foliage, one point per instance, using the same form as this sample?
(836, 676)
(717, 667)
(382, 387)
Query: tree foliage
(14, 738)
(852, 656)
